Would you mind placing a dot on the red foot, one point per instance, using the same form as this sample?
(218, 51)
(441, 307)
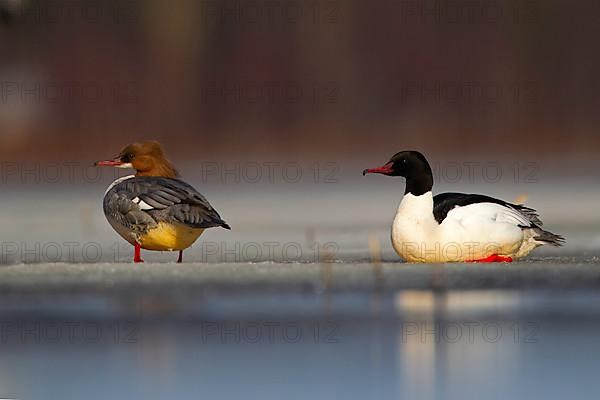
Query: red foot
(493, 258)
(180, 259)
(137, 254)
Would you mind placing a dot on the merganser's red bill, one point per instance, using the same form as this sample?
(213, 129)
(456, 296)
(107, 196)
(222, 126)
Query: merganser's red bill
(385, 170)
(108, 163)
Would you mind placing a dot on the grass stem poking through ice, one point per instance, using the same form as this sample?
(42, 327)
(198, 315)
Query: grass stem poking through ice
(375, 251)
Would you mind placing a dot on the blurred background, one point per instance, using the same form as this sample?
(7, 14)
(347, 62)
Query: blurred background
(272, 109)
(231, 79)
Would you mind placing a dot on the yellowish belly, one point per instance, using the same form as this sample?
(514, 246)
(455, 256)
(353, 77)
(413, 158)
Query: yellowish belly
(455, 252)
(170, 237)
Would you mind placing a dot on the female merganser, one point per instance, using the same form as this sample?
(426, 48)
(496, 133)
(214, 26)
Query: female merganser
(452, 227)
(152, 209)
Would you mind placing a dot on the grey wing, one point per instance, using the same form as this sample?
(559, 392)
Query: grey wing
(170, 200)
(120, 209)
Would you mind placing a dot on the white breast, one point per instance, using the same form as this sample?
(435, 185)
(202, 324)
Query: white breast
(116, 182)
(414, 226)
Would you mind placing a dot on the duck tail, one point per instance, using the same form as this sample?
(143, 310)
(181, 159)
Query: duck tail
(546, 237)
(225, 225)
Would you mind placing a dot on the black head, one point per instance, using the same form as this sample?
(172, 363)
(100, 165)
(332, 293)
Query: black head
(411, 165)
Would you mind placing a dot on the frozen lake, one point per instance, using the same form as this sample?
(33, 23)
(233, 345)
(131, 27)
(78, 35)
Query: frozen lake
(291, 291)
(299, 331)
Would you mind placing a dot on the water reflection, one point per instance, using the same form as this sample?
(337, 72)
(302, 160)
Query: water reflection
(415, 344)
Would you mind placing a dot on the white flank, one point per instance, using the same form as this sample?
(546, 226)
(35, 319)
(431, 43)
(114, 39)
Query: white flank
(467, 233)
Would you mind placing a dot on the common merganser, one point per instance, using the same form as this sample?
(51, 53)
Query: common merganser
(152, 209)
(453, 227)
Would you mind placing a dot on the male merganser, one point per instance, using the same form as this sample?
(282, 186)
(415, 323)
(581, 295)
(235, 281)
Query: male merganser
(452, 227)
(152, 209)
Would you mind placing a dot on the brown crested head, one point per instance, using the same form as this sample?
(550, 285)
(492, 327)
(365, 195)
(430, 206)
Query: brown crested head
(147, 158)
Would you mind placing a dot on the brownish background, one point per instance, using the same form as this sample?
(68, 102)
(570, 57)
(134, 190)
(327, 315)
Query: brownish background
(368, 50)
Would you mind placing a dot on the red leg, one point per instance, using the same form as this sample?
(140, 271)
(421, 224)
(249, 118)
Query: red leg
(493, 258)
(137, 254)
(180, 259)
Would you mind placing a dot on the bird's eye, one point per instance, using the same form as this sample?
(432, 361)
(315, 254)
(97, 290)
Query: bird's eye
(127, 157)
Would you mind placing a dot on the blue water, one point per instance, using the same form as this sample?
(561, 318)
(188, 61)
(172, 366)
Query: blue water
(411, 344)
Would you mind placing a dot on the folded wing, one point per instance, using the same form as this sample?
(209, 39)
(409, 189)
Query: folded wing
(145, 201)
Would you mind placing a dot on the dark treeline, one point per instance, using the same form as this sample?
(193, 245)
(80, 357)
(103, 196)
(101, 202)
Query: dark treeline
(301, 77)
